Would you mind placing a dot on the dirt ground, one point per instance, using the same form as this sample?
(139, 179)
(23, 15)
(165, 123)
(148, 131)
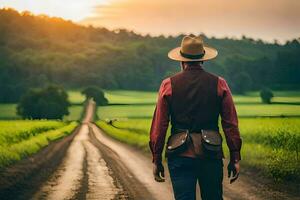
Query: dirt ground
(90, 165)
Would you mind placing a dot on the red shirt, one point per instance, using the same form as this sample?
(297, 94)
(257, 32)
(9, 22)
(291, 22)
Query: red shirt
(161, 120)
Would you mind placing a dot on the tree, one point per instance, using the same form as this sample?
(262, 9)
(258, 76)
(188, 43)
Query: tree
(48, 103)
(62, 52)
(241, 82)
(97, 94)
(266, 95)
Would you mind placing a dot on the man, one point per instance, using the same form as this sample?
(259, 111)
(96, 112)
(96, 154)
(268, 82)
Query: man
(195, 98)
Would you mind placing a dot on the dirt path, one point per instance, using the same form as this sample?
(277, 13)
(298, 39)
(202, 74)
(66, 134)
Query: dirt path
(95, 166)
(85, 174)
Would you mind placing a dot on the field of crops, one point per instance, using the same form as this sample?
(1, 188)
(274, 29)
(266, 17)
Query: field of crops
(19, 139)
(141, 97)
(142, 104)
(269, 144)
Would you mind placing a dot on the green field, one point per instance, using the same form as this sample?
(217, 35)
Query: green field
(19, 139)
(142, 104)
(243, 110)
(140, 97)
(9, 111)
(130, 97)
(146, 111)
(269, 144)
(75, 97)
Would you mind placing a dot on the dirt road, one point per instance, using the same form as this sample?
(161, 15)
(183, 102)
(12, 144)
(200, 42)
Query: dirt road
(95, 166)
(91, 170)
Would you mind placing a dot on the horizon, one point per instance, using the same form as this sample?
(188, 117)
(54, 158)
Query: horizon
(131, 15)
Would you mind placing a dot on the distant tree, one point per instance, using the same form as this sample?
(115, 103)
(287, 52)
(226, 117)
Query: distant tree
(48, 103)
(97, 94)
(266, 95)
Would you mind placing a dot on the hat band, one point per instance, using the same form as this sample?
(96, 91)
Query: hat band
(190, 56)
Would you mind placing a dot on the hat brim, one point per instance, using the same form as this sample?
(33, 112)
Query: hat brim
(210, 53)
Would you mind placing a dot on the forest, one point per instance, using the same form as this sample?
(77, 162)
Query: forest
(39, 50)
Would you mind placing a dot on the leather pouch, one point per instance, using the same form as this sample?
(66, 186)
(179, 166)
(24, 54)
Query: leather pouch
(178, 143)
(211, 141)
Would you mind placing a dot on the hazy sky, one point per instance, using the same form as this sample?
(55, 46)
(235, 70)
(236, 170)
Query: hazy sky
(266, 19)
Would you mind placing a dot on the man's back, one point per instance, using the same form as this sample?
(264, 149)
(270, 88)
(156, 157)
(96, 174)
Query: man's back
(195, 103)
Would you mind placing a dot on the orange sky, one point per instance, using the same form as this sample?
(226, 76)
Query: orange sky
(266, 19)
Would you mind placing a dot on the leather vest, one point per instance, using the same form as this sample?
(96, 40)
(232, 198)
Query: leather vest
(195, 104)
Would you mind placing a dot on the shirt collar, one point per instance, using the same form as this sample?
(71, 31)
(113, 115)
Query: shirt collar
(194, 67)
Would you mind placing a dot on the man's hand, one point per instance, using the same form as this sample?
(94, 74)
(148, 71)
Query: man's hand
(234, 170)
(159, 172)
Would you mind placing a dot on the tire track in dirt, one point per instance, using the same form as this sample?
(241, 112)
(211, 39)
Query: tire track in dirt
(100, 183)
(72, 180)
(67, 178)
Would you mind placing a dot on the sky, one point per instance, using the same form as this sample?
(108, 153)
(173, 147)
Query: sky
(264, 19)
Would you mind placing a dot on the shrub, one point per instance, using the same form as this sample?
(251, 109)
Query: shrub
(266, 95)
(97, 94)
(49, 103)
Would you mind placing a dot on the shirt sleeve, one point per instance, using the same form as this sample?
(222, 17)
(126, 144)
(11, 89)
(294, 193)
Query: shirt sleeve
(160, 121)
(229, 121)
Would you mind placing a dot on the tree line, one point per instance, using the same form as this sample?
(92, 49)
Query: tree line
(39, 50)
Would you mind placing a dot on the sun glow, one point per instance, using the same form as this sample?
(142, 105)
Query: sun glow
(68, 9)
(220, 18)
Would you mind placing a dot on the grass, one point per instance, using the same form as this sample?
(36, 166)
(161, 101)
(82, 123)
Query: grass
(125, 111)
(142, 104)
(243, 110)
(269, 144)
(17, 130)
(142, 97)
(129, 136)
(19, 139)
(272, 145)
(130, 97)
(75, 97)
(267, 110)
(8, 112)
(75, 113)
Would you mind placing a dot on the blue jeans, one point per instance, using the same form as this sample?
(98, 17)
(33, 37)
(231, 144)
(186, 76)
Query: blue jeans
(185, 172)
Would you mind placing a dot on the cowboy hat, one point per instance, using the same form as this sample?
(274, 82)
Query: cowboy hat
(192, 49)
